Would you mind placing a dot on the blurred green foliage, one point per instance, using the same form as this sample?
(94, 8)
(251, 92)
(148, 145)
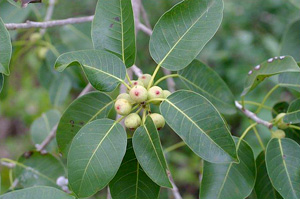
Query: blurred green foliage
(251, 32)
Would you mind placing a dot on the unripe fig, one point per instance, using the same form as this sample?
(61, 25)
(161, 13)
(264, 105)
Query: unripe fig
(278, 134)
(132, 121)
(166, 93)
(123, 107)
(35, 37)
(158, 120)
(279, 121)
(155, 92)
(138, 94)
(42, 52)
(137, 82)
(125, 96)
(145, 78)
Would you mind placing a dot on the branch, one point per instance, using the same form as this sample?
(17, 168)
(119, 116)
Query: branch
(145, 16)
(175, 190)
(145, 29)
(52, 133)
(253, 116)
(49, 14)
(48, 24)
(137, 71)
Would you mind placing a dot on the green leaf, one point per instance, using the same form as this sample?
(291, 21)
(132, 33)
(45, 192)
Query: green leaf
(230, 181)
(148, 151)
(38, 192)
(42, 126)
(263, 186)
(95, 156)
(269, 68)
(283, 166)
(131, 181)
(59, 90)
(280, 107)
(293, 113)
(103, 70)
(1, 82)
(113, 29)
(183, 31)
(200, 126)
(290, 80)
(92, 106)
(33, 169)
(290, 42)
(203, 80)
(5, 49)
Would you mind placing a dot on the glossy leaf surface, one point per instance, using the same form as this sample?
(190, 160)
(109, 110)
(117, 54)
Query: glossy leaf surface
(268, 68)
(203, 80)
(230, 181)
(200, 126)
(263, 186)
(95, 156)
(131, 181)
(92, 106)
(293, 113)
(183, 31)
(148, 150)
(104, 70)
(113, 29)
(283, 166)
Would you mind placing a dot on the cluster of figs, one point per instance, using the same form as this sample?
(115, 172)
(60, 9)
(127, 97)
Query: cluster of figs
(140, 96)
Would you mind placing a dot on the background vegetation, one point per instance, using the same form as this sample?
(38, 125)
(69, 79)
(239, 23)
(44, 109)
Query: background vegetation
(251, 32)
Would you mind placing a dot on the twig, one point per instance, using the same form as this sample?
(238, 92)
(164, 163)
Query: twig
(137, 71)
(253, 116)
(8, 164)
(145, 16)
(108, 193)
(145, 29)
(136, 7)
(52, 133)
(175, 190)
(48, 24)
(49, 14)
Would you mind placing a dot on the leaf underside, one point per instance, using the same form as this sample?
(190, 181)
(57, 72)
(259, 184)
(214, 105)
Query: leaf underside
(37, 192)
(230, 181)
(104, 70)
(5, 49)
(131, 181)
(203, 80)
(269, 68)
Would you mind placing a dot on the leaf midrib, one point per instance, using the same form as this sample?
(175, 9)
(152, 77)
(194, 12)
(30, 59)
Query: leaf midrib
(196, 125)
(285, 167)
(101, 71)
(154, 148)
(34, 171)
(196, 21)
(225, 178)
(93, 154)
